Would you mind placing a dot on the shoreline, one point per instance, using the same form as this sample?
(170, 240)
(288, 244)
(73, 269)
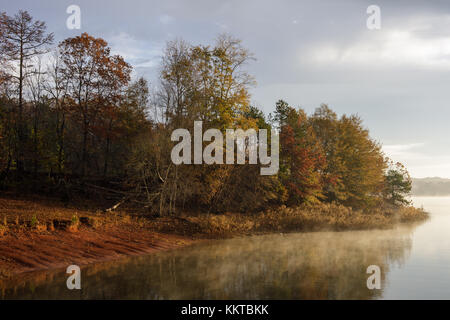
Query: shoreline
(59, 249)
(30, 247)
(150, 243)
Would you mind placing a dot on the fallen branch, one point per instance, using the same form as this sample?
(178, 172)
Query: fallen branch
(114, 207)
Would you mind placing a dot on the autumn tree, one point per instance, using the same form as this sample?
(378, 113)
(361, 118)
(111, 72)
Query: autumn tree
(325, 124)
(245, 189)
(363, 163)
(95, 80)
(301, 157)
(36, 84)
(57, 89)
(7, 134)
(355, 163)
(230, 80)
(22, 39)
(176, 85)
(132, 121)
(207, 83)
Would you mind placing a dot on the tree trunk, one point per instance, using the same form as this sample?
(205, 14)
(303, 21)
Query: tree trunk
(20, 164)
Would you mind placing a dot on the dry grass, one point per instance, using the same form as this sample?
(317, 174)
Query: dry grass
(307, 218)
(18, 216)
(40, 215)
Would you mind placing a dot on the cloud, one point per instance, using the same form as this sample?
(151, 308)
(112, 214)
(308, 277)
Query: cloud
(418, 160)
(222, 26)
(401, 149)
(413, 44)
(141, 54)
(165, 19)
(133, 49)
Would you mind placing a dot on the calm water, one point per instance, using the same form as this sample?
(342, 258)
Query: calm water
(414, 260)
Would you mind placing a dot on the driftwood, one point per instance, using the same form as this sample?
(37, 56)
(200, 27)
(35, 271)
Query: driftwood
(114, 207)
(125, 196)
(116, 192)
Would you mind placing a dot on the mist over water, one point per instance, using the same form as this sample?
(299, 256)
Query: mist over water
(426, 273)
(414, 262)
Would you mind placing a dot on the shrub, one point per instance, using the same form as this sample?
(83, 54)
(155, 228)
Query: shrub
(3, 230)
(74, 220)
(34, 221)
(74, 223)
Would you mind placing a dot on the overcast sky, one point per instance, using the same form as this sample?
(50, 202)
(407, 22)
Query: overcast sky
(308, 52)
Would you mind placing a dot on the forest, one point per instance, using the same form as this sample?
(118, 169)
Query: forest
(73, 119)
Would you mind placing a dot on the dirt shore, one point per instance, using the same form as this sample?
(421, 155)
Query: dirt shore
(62, 248)
(31, 252)
(24, 248)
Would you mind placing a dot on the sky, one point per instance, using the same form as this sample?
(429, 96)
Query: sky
(397, 78)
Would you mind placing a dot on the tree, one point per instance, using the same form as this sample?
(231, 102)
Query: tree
(57, 87)
(354, 174)
(176, 81)
(36, 83)
(362, 164)
(230, 81)
(204, 83)
(301, 155)
(22, 39)
(325, 123)
(397, 184)
(3, 62)
(130, 123)
(95, 80)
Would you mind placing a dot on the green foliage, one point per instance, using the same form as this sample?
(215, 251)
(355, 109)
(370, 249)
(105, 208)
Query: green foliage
(398, 185)
(34, 221)
(75, 220)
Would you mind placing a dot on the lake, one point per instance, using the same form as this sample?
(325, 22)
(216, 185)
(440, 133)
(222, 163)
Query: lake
(414, 262)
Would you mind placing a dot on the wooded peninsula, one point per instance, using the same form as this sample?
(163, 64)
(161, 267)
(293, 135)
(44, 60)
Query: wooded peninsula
(85, 154)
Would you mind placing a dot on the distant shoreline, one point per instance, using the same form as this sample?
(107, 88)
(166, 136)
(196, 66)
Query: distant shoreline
(428, 187)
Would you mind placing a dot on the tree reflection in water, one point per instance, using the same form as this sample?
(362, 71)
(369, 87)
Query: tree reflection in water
(319, 265)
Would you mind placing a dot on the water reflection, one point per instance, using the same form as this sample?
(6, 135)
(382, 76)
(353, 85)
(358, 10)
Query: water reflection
(321, 265)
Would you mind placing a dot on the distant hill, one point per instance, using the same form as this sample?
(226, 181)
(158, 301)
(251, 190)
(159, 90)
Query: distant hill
(430, 187)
